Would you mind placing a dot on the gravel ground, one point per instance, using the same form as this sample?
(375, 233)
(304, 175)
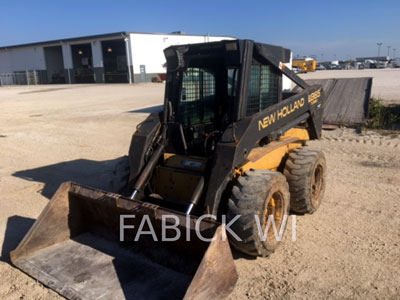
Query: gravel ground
(350, 248)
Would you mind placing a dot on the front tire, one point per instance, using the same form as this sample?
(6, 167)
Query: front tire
(305, 171)
(259, 193)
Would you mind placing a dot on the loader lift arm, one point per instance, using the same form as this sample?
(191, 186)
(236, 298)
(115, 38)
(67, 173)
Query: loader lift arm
(242, 136)
(245, 132)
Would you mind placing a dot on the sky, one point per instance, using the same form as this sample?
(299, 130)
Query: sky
(329, 30)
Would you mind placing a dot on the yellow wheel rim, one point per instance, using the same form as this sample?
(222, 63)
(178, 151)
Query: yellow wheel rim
(274, 210)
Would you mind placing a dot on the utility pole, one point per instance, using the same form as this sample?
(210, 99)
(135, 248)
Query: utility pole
(379, 49)
(322, 57)
(388, 50)
(394, 53)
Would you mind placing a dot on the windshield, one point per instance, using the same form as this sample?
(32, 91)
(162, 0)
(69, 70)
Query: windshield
(198, 97)
(205, 103)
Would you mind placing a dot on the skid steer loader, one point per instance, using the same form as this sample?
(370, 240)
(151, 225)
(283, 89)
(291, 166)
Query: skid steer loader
(228, 145)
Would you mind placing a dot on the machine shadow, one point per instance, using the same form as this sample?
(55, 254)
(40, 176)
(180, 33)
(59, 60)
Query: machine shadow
(149, 109)
(96, 174)
(236, 254)
(16, 229)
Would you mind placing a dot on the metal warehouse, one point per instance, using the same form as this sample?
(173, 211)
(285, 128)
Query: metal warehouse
(122, 57)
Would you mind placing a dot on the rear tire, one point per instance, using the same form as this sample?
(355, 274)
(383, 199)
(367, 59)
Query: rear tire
(258, 193)
(305, 171)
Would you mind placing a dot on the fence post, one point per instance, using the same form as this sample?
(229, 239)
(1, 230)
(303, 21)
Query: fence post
(35, 77)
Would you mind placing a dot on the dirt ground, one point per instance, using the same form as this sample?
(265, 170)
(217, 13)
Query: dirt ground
(350, 248)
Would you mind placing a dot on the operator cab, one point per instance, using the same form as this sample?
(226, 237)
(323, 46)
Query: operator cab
(203, 105)
(203, 93)
(202, 101)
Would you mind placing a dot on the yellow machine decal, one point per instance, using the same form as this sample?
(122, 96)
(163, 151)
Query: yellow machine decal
(313, 97)
(287, 110)
(280, 113)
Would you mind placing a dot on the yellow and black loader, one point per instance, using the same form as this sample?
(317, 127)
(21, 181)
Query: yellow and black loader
(228, 143)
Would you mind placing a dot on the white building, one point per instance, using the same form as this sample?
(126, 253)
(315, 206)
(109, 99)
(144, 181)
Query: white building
(114, 57)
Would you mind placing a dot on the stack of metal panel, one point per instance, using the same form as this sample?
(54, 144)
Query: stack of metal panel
(346, 99)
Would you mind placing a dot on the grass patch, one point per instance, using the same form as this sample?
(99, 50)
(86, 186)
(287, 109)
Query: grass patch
(382, 116)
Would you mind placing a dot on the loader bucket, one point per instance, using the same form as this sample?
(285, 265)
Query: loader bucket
(75, 248)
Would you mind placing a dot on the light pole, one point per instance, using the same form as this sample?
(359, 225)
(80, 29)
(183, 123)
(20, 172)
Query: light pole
(388, 50)
(322, 57)
(394, 53)
(379, 49)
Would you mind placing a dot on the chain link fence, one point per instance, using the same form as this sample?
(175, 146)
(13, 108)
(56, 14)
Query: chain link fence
(20, 78)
